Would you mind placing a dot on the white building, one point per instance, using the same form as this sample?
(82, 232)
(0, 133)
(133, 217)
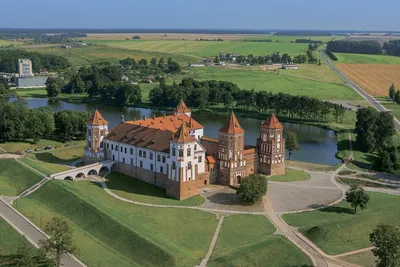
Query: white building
(25, 68)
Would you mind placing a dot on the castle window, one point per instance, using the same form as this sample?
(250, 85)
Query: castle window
(279, 138)
(264, 137)
(161, 169)
(163, 159)
(141, 164)
(112, 147)
(158, 158)
(173, 152)
(131, 150)
(189, 167)
(151, 166)
(200, 159)
(188, 152)
(116, 147)
(125, 150)
(89, 132)
(144, 154)
(89, 144)
(123, 160)
(173, 165)
(101, 132)
(122, 149)
(151, 155)
(180, 153)
(140, 153)
(195, 147)
(108, 146)
(101, 144)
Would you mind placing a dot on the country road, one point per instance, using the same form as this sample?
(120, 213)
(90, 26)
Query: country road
(357, 88)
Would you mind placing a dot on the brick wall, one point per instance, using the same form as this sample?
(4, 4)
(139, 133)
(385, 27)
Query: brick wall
(210, 146)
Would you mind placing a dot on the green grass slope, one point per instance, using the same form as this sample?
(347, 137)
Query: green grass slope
(61, 155)
(122, 234)
(43, 167)
(337, 230)
(274, 83)
(15, 178)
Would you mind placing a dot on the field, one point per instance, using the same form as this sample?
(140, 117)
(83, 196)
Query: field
(136, 190)
(206, 48)
(274, 83)
(290, 176)
(337, 230)
(373, 78)
(8, 42)
(15, 178)
(121, 234)
(392, 106)
(347, 58)
(13, 147)
(312, 71)
(247, 240)
(61, 156)
(43, 167)
(365, 259)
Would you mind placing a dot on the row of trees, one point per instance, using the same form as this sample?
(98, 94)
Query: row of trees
(392, 47)
(9, 60)
(394, 94)
(331, 54)
(359, 47)
(18, 122)
(275, 58)
(62, 38)
(140, 69)
(201, 94)
(308, 41)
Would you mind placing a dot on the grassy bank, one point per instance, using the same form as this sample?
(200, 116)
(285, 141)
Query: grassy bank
(121, 234)
(291, 175)
(44, 167)
(16, 178)
(62, 155)
(22, 145)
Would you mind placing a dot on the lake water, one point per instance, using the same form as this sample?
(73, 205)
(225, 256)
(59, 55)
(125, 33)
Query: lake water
(317, 145)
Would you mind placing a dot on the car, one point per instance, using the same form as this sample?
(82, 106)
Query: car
(38, 149)
(28, 150)
(47, 147)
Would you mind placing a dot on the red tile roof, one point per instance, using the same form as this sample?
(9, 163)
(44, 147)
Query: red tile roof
(272, 123)
(209, 139)
(97, 119)
(182, 108)
(231, 125)
(171, 122)
(211, 159)
(183, 135)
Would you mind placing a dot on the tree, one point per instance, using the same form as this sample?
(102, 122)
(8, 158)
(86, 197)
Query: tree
(252, 188)
(386, 241)
(153, 61)
(397, 97)
(2, 89)
(60, 240)
(25, 255)
(216, 59)
(392, 91)
(356, 196)
(5, 84)
(384, 129)
(366, 128)
(291, 143)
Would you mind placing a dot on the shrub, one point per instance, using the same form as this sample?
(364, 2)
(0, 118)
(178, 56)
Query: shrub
(331, 54)
(347, 172)
(252, 188)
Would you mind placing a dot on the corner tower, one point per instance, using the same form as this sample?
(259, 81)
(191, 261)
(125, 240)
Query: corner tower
(230, 152)
(96, 130)
(181, 108)
(271, 147)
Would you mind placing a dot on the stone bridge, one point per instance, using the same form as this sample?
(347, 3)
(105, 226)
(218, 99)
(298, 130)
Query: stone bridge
(83, 172)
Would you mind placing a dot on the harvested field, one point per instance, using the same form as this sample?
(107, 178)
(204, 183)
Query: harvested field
(170, 36)
(373, 78)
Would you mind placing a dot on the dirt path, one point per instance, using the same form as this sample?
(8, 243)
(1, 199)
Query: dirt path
(213, 242)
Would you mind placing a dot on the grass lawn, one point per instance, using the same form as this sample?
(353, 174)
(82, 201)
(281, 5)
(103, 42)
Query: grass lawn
(137, 190)
(115, 233)
(45, 168)
(16, 178)
(206, 48)
(337, 230)
(343, 144)
(29, 144)
(350, 181)
(291, 175)
(365, 259)
(231, 237)
(312, 71)
(272, 251)
(392, 106)
(348, 58)
(60, 155)
(266, 81)
(85, 56)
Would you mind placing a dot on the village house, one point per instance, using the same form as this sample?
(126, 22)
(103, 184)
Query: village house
(172, 152)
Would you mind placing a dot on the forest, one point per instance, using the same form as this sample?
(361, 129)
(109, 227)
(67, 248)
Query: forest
(357, 47)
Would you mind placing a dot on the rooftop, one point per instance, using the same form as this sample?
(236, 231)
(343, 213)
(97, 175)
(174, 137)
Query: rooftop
(272, 123)
(171, 122)
(97, 119)
(231, 125)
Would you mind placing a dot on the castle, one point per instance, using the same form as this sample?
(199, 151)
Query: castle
(171, 151)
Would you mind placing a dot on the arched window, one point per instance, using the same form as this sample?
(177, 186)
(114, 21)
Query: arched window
(189, 165)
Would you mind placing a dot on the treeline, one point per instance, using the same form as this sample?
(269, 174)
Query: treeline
(392, 47)
(259, 40)
(304, 33)
(9, 60)
(277, 58)
(201, 94)
(358, 47)
(102, 81)
(18, 122)
(331, 54)
(62, 38)
(218, 40)
(374, 132)
(136, 70)
(308, 41)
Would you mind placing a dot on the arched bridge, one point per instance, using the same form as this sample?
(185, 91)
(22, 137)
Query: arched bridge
(83, 172)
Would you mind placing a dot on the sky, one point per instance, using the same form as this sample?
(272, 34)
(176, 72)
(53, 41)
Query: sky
(203, 14)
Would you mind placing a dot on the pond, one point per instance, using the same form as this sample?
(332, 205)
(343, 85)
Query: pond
(317, 145)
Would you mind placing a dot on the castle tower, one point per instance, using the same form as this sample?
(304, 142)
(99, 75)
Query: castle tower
(96, 130)
(181, 108)
(185, 162)
(271, 147)
(230, 147)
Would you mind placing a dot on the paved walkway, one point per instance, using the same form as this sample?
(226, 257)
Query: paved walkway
(213, 242)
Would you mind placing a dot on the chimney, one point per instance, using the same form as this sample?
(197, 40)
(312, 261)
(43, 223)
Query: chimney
(144, 117)
(122, 118)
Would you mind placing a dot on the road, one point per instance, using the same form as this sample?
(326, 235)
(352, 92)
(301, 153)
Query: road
(357, 88)
(28, 229)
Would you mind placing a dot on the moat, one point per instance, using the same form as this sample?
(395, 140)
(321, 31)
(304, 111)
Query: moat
(317, 145)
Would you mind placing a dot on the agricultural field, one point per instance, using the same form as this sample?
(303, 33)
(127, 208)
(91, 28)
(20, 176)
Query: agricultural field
(136, 190)
(338, 230)
(373, 78)
(347, 58)
(255, 245)
(314, 72)
(291, 175)
(275, 83)
(203, 49)
(10, 42)
(288, 39)
(15, 178)
(119, 233)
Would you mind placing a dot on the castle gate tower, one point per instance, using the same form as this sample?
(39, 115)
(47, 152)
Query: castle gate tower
(96, 130)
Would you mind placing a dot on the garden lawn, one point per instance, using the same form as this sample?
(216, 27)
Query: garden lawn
(15, 178)
(116, 233)
(337, 230)
(136, 190)
(272, 251)
(62, 155)
(348, 58)
(241, 229)
(266, 81)
(13, 147)
(365, 259)
(291, 175)
(43, 167)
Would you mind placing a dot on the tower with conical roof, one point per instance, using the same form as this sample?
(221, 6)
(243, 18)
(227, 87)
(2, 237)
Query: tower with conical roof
(271, 147)
(181, 108)
(230, 148)
(96, 130)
